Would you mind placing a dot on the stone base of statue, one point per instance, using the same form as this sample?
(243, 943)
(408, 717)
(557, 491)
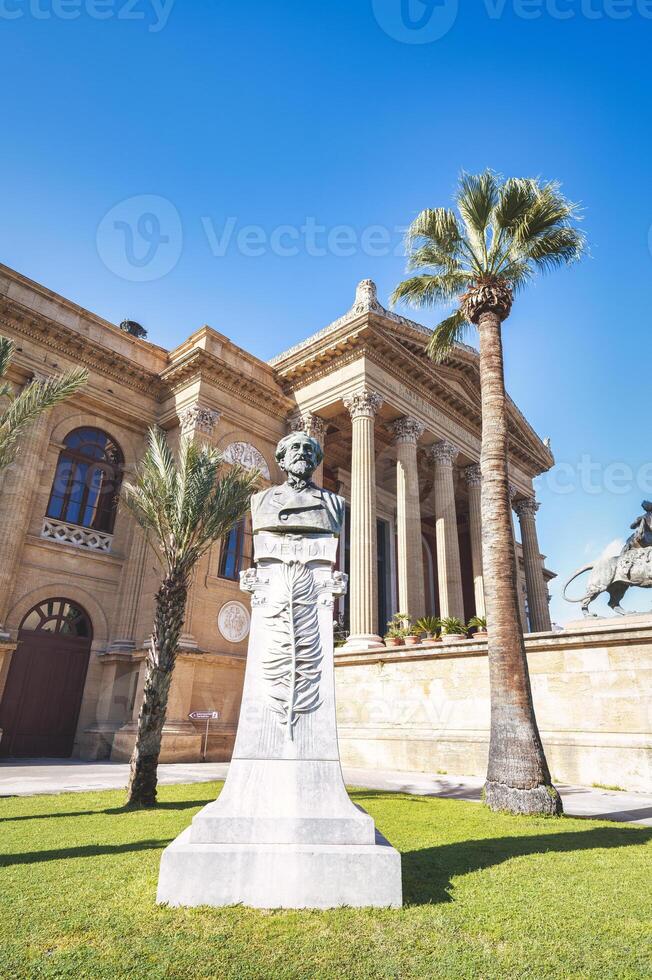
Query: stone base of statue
(284, 833)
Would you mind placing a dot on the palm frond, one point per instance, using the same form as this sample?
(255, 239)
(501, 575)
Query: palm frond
(555, 248)
(446, 334)
(181, 503)
(428, 290)
(476, 198)
(7, 349)
(30, 403)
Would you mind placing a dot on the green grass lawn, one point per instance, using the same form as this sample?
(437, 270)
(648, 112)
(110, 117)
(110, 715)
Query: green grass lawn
(486, 895)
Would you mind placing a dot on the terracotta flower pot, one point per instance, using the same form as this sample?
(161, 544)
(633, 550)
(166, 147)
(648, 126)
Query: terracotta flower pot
(453, 637)
(393, 641)
(412, 640)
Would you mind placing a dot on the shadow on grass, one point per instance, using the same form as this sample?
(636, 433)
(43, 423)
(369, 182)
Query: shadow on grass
(111, 811)
(427, 873)
(88, 850)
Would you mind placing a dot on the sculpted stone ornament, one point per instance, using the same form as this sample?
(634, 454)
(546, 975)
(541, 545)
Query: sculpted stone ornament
(615, 575)
(283, 832)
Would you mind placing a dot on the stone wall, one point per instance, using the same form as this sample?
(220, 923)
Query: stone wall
(426, 708)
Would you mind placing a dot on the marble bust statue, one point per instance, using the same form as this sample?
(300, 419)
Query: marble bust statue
(298, 506)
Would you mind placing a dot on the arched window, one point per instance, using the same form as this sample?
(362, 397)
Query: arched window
(58, 616)
(236, 553)
(87, 480)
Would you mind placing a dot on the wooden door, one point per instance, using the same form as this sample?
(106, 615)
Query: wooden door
(42, 697)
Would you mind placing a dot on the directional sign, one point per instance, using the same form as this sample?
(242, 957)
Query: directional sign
(204, 715)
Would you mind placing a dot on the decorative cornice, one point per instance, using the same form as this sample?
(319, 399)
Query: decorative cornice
(363, 404)
(200, 363)
(526, 507)
(473, 475)
(198, 419)
(366, 301)
(444, 452)
(407, 429)
(312, 425)
(79, 348)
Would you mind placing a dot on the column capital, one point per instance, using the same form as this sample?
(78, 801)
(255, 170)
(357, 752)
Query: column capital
(444, 452)
(313, 425)
(407, 429)
(513, 492)
(195, 418)
(473, 475)
(363, 404)
(526, 507)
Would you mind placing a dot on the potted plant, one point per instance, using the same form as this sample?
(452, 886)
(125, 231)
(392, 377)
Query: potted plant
(479, 625)
(430, 625)
(413, 636)
(452, 629)
(393, 636)
(397, 629)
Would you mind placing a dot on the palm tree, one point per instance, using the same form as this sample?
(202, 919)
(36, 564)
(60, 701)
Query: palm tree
(24, 409)
(504, 233)
(183, 507)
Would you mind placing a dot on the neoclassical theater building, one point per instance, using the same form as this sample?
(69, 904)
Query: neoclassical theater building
(401, 440)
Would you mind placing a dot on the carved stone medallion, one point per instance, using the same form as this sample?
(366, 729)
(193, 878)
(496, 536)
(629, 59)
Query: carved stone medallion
(233, 621)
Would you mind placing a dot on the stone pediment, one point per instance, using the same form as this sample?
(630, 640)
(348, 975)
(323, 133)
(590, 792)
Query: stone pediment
(399, 346)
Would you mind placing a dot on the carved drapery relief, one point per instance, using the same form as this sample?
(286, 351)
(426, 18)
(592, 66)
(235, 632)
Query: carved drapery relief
(248, 456)
(195, 418)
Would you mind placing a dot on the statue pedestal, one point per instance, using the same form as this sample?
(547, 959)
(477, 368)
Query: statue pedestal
(284, 833)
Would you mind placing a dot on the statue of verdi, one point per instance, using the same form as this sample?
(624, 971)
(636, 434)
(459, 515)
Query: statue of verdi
(283, 833)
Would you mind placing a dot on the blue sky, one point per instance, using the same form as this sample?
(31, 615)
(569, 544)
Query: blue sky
(221, 117)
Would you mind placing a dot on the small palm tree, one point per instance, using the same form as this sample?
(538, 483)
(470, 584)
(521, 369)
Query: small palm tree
(183, 507)
(24, 409)
(504, 233)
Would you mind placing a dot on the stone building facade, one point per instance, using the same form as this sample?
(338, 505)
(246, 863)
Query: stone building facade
(401, 440)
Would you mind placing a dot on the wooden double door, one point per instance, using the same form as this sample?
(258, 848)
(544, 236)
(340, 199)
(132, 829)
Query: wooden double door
(42, 696)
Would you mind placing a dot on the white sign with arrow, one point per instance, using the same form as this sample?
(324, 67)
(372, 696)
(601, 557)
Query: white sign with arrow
(208, 717)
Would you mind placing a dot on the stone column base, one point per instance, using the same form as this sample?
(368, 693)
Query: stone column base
(362, 642)
(278, 876)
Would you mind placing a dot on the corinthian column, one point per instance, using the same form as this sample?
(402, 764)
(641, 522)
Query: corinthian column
(19, 487)
(449, 573)
(363, 606)
(411, 592)
(537, 592)
(315, 427)
(474, 483)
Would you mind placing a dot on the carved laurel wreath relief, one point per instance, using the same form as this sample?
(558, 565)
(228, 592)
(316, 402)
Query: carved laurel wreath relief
(292, 665)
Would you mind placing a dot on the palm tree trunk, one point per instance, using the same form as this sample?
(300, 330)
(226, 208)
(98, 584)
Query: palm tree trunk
(518, 779)
(169, 615)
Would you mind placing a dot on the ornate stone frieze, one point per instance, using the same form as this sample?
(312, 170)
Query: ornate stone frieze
(248, 456)
(195, 418)
(444, 452)
(526, 507)
(363, 404)
(407, 429)
(473, 475)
